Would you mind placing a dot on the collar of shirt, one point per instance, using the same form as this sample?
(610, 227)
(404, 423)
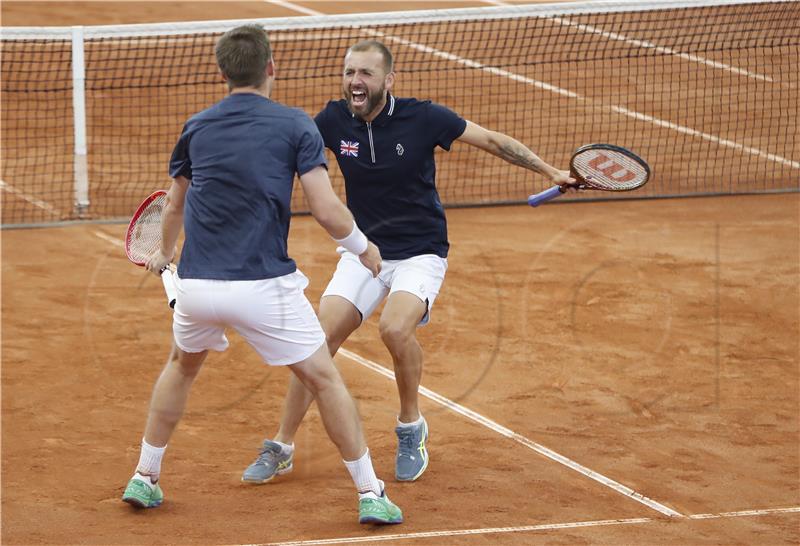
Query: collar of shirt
(382, 118)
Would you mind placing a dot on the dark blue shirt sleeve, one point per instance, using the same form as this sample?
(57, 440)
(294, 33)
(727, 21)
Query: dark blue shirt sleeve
(179, 163)
(310, 148)
(445, 125)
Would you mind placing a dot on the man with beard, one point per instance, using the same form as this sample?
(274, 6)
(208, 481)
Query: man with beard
(385, 149)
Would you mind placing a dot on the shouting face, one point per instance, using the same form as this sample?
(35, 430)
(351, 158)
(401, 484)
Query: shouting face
(365, 83)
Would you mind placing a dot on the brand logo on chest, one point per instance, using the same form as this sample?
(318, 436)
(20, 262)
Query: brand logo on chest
(399, 149)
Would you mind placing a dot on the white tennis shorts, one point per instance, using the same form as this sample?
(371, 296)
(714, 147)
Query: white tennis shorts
(421, 275)
(273, 315)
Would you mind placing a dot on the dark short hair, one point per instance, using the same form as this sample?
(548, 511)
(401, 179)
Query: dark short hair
(243, 54)
(375, 45)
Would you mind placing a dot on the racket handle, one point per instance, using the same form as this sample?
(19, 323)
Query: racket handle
(169, 286)
(546, 195)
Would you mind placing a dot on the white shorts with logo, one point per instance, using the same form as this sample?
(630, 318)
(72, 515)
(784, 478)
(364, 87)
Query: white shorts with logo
(420, 275)
(273, 315)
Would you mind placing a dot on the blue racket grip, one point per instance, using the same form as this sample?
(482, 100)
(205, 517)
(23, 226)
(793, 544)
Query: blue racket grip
(546, 195)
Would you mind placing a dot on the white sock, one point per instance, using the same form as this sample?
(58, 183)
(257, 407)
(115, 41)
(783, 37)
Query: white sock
(285, 448)
(150, 461)
(363, 475)
(414, 424)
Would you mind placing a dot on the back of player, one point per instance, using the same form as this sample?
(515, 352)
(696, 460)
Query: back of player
(233, 170)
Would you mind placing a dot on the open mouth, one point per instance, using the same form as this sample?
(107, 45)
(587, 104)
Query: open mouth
(359, 97)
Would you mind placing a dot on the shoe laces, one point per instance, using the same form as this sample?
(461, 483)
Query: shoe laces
(406, 438)
(269, 454)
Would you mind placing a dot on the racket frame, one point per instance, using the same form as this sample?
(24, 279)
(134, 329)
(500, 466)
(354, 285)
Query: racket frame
(166, 273)
(619, 149)
(555, 191)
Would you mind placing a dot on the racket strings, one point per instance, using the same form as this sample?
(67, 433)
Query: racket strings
(144, 237)
(609, 170)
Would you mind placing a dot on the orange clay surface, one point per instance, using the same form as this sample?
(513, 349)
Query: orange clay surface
(655, 343)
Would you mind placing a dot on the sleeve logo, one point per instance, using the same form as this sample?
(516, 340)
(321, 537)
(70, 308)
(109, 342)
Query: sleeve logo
(347, 147)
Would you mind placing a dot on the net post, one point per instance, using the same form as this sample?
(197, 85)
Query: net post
(80, 165)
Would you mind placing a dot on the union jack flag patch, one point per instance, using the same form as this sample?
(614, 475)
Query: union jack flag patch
(347, 147)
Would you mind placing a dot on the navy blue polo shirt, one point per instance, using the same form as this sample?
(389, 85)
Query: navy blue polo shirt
(241, 156)
(390, 173)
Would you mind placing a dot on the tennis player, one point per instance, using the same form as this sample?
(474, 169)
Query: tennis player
(233, 169)
(385, 149)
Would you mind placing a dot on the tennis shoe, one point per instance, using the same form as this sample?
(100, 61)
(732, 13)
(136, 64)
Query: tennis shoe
(412, 455)
(379, 510)
(271, 462)
(142, 493)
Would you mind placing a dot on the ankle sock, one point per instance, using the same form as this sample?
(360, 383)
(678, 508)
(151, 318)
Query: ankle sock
(150, 461)
(363, 475)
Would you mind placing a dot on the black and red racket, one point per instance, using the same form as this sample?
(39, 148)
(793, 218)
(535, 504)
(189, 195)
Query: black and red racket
(602, 167)
(144, 238)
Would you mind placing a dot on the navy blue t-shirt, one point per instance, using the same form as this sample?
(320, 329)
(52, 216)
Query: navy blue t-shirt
(241, 156)
(390, 173)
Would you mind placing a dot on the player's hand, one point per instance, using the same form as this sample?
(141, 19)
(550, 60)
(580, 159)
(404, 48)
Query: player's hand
(157, 262)
(564, 179)
(371, 258)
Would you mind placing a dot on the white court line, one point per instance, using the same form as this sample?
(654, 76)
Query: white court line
(522, 529)
(108, 238)
(567, 93)
(648, 45)
(295, 7)
(503, 431)
(462, 532)
(45, 206)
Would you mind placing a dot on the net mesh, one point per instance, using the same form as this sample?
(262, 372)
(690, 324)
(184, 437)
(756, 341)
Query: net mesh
(707, 94)
(144, 233)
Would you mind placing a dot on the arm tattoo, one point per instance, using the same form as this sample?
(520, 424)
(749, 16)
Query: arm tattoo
(517, 154)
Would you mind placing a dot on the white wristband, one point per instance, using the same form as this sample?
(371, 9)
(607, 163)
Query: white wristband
(356, 242)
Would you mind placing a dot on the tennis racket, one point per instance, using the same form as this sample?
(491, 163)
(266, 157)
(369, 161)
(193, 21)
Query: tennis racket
(144, 238)
(601, 167)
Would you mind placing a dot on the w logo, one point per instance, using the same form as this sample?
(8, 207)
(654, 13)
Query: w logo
(604, 164)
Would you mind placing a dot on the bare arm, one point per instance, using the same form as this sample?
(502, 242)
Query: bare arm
(512, 151)
(326, 207)
(171, 224)
(329, 211)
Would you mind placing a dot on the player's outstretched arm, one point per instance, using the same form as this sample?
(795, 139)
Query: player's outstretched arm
(513, 151)
(329, 211)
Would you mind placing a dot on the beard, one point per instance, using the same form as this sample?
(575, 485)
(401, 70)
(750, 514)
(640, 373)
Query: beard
(374, 98)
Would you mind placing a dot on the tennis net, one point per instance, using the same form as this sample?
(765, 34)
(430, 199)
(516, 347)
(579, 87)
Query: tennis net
(706, 92)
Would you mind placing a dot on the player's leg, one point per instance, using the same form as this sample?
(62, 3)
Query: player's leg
(284, 330)
(339, 318)
(193, 336)
(351, 294)
(398, 329)
(343, 425)
(415, 284)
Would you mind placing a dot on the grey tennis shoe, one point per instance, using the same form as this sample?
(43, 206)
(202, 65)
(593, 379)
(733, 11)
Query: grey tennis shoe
(412, 455)
(271, 462)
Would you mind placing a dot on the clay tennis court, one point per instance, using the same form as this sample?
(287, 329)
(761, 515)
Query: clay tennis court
(621, 372)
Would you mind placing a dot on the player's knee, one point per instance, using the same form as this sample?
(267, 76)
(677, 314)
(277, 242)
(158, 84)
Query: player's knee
(394, 334)
(334, 341)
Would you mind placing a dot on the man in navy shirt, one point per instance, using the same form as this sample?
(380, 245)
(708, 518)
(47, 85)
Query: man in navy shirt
(233, 169)
(385, 148)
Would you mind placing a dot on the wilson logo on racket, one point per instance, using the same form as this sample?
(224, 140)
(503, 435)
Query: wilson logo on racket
(605, 165)
(600, 167)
